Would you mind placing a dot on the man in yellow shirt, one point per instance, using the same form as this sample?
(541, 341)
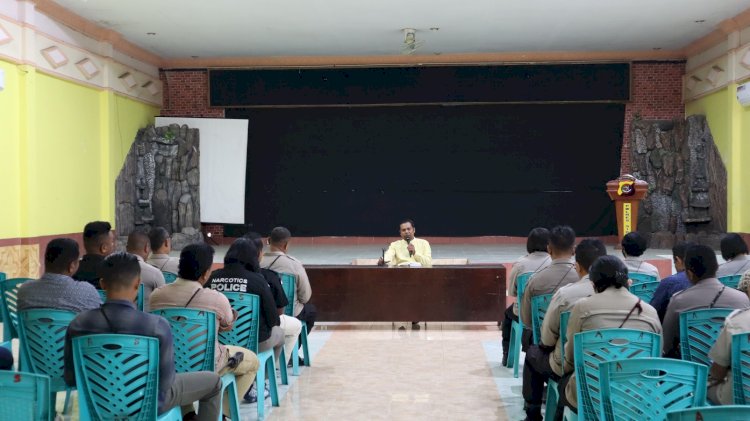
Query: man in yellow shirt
(408, 251)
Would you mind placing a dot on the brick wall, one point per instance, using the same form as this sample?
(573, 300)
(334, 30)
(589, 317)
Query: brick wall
(186, 94)
(656, 94)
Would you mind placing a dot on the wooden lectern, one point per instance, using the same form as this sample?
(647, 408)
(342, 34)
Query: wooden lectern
(627, 193)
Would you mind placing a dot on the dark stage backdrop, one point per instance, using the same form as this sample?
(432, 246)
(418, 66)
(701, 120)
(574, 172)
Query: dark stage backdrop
(465, 170)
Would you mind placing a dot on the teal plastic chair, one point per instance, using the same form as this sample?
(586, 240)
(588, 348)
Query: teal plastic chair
(594, 347)
(699, 330)
(732, 281)
(711, 413)
(741, 368)
(638, 277)
(644, 290)
(138, 300)
(2, 278)
(42, 336)
(169, 277)
(9, 307)
(289, 283)
(539, 305)
(553, 394)
(516, 328)
(118, 378)
(640, 389)
(244, 333)
(194, 335)
(24, 396)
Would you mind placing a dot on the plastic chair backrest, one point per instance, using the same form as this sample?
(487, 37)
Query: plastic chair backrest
(539, 305)
(564, 316)
(647, 388)
(25, 396)
(732, 281)
(117, 376)
(169, 277)
(244, 333)
(194, 335)
(741, 359)
(644, 290)
(289, 283)
(699, 330)
(711, 413)
(521, 281)
(9, 307)
(138, 300)
(593, 347)
(42, 336)
(638, 277)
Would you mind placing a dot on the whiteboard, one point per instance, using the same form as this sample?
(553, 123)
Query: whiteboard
(223, 158)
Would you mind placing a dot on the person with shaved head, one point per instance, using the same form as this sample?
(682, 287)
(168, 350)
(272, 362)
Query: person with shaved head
(140, 245)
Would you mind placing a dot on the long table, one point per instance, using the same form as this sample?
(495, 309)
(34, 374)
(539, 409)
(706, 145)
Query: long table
(445, 293)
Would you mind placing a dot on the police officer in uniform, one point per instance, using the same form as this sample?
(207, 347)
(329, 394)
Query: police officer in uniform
(720, 377)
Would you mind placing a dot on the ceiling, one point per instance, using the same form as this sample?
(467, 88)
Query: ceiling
(241, 28)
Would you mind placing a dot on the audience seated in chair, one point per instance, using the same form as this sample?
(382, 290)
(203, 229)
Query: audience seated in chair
(241, 273)
(611, 306)
(291, 326)
(672, 284)
(278, 260)
(537, 259)
(56, 289)
(161, 246)
(705, 292)
(734, 251)
(633, 247)
(99, 242)
(545, 359)
(121, 278)
(151, 277)
(720, 382)
(188, 292)
(560, 272)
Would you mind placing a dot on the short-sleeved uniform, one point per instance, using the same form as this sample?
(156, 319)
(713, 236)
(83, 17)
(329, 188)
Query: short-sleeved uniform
(721, 353)
(547, 281)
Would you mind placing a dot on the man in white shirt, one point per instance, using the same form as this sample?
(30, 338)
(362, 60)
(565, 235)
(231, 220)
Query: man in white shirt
(409, 250)
(161, 245)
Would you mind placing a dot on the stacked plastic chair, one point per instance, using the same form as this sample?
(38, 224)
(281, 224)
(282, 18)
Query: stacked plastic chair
(516, 328)
(648, 388)
(644, 285)
(244, 333)
(553, 394)
(25, 396)
(288, 282)
(741, 368)
(118, 378)
(42, 337)
(594, 347)
(699, 330)
(194, 334)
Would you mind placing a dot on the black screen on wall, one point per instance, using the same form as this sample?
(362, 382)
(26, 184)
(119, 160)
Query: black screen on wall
(465, 170)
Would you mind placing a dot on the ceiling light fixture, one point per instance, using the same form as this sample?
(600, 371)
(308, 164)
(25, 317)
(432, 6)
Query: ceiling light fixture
(127, 80)
(410, 36)
(151, 33)
(700, 21)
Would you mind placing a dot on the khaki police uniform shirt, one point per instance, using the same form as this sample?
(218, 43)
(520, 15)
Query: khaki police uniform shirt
(533, 262)
(562, 301)
(637, 264)
(696, 297)
(721, 353)
(151, 278)
(547, 281)
(398, 254)
(737, 266)
(164, 263)
(607, 309)
(283, 263)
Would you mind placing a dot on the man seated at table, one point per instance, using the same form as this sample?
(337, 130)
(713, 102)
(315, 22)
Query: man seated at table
(409, 250)
(56, 289)
(121, 278)
(161, 246)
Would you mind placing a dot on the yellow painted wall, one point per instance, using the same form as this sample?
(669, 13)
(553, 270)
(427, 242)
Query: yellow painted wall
(730, 127)
(62, 145)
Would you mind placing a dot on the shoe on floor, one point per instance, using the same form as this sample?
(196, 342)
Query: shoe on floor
(301, 362)
(252, 395)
